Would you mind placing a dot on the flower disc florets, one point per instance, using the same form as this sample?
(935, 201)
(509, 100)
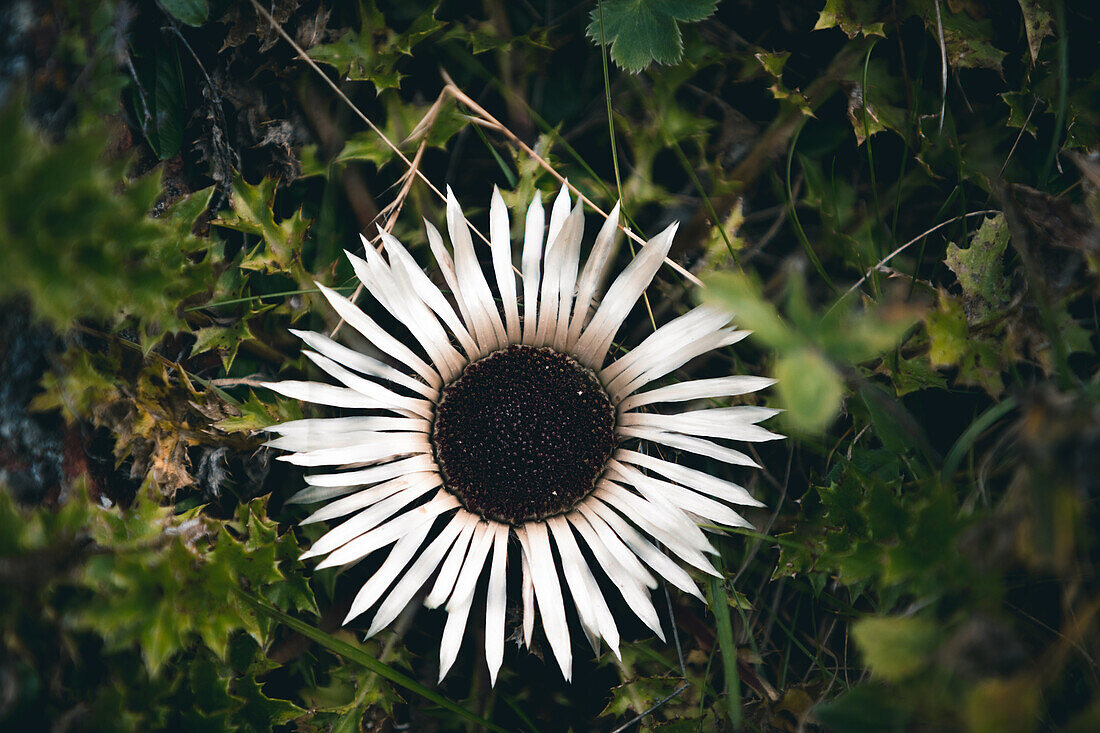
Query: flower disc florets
(523, 434)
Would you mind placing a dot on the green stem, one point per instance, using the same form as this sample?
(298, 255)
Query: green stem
(355, 654)
(721, 607)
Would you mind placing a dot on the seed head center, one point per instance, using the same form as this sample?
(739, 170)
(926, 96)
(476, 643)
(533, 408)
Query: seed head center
(523, 434)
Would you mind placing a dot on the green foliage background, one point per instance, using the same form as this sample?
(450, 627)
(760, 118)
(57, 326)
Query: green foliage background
(899, 198)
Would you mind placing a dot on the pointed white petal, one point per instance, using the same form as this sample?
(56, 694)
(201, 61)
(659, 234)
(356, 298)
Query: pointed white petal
(553, 258)
(697, 389)
(431, 295)
(445, 582)
(397, 527)
(559, 212)
(446, 266)
(571, 560)
(471, 279)
(416, 315)
(496, 603)
(697, 480)
(527, 592)
(632, 590)
(316, 441)
(544, 574)
(395, 563)
(698, 446)
(729, 423)
(591, 607)
(678, 333)
(641, 547)
(363, 363)
(500, 236)
(458, 607)
(684, 544)
(373, 474)
(318, 393)
(367, 497)
(385, 398)
(659, 366)
(407, 308)
(594, 273)
(570, 246)
(615, 546)
(375, 449)
(658, 509)
(374, 333)
(452, 636)
(332, 426)
(532, 262)
(417, 575)
(372, 517)
(711, 511)
(480, 545)
(628, 287)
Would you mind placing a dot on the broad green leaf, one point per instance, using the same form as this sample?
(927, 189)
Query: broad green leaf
(948, 333)
(1006, 705)
(865, 708)
(643, 31)
(189, 12)
(739, 294)
(895, 647)
(1020, 111)
(810, 390)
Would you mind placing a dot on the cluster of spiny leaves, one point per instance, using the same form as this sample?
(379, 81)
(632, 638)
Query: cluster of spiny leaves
(918, 261)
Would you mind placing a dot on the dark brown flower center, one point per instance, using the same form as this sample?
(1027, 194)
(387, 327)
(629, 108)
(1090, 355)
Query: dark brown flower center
(523, 434)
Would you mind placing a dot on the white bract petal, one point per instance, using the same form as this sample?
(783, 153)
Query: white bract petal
(500, 238)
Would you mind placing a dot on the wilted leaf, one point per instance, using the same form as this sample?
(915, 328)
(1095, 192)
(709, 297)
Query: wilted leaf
(969, 42)
(854, 17)
(980, 269)
(1038, 24)
(773, 64)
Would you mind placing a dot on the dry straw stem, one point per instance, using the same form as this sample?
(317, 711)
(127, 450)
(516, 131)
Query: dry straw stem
(881, 266)
(486, 120)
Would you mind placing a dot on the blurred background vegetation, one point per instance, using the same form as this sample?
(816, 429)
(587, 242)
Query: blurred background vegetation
(900, 197)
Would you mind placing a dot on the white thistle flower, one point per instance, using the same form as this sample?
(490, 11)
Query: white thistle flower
(515, 427)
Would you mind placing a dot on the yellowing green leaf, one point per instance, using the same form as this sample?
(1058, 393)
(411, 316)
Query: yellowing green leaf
(948, 333)
(810, 390)
(895, 647)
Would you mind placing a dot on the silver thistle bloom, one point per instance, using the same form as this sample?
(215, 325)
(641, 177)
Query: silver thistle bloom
(513, 426)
